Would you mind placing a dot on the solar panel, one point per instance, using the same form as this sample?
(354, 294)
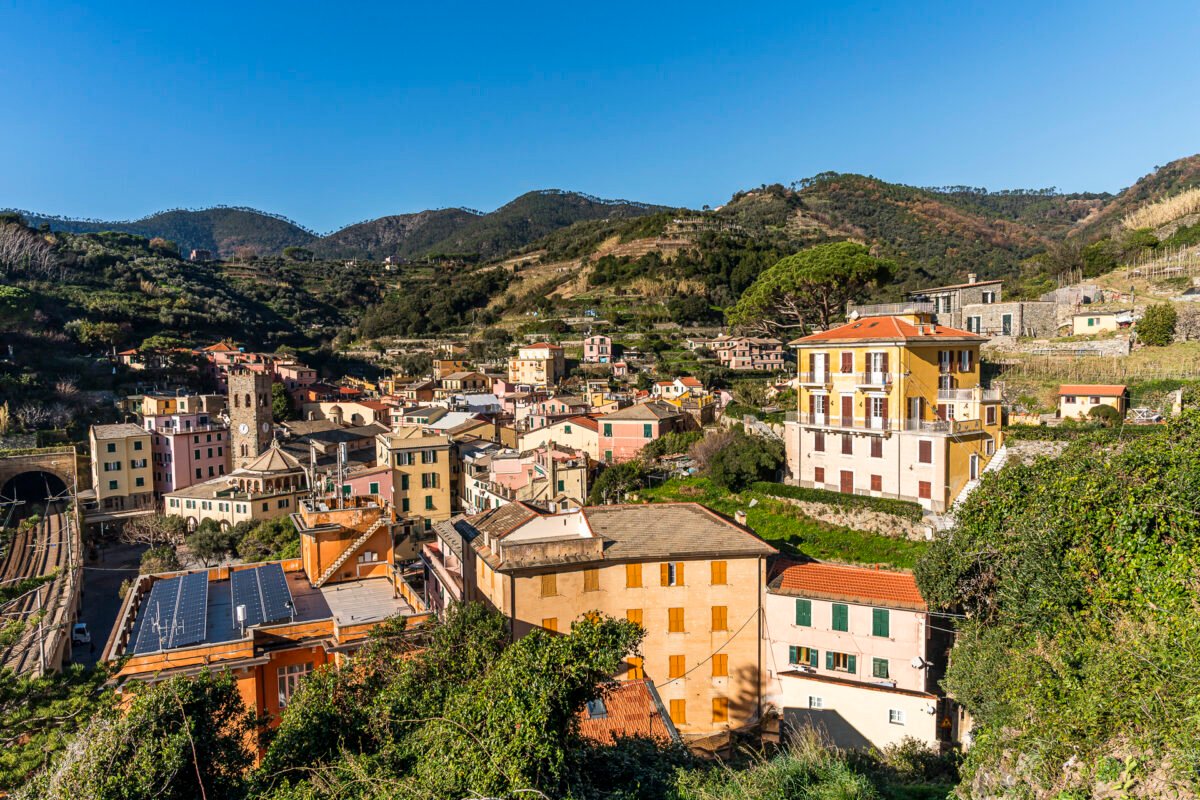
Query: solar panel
(191, 613)
(264, 593)
(158, 615)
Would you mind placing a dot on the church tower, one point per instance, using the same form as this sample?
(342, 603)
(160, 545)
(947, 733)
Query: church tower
(249, 410)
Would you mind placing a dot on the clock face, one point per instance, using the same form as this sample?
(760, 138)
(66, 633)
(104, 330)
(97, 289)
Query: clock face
(243, 429)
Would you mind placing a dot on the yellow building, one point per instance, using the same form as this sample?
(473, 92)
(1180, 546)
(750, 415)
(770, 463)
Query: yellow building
(121, 471)
(1078, 400)
(689, 576)
(537, 365)
(270, 486)
(424, 473)
(892, 406)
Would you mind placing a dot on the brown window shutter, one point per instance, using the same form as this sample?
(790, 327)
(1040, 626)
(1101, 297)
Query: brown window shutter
(884, 363)
(847, 361)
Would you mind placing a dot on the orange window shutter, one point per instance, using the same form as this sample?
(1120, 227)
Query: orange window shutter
(677, 667)
(633, 576)
(720, 665)
(664, 572)
(675, 620)
(550, 624)
(679, 712)
(679, 574)
(720, 706)
(634, 615)
(636, 671)
(718, 573)
(720, 621)
(591, 580)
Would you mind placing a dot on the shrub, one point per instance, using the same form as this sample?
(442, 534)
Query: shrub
(745, 460)
(905, 509)
(1157, 326)
(1105, 415)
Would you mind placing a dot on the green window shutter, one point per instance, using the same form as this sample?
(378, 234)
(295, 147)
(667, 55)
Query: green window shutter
(607, 429)
(853, 665)
(793, 655)
(404, 483)
(880, 622)
(561, 485)
(566, 428)
(829, 659)
(879, 667)
(429, 502)
(647, 431)
(804, 612)
(812, 657)
(841, 617)
(373, 488)
(404, 505)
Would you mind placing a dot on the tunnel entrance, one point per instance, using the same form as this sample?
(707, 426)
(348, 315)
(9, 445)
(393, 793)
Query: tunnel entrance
(30, 491)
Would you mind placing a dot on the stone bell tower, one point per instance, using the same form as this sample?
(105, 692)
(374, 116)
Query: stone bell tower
(249, 410)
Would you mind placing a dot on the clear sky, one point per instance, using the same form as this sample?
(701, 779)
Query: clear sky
(329, 112)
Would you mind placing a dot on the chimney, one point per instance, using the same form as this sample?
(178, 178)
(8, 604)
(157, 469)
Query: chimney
(971, 277)
(739, 517)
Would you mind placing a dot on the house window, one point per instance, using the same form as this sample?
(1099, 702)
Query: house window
(373, 488)
(608, 455)
(925, 451)
(964, 360)
(847, 445)
(989, 297)
(802, 655)
(429, 502)
(840, 617)
(404, 504)
(876, 483)
(895, 716)
(1070, 398)
(818, 474)
(550, 624)
(819, 441)
(841, 662)
(720, 706)
(816, 702)
(678, 712)
(1093, 400)
(804, 613)
(404, 459)
(677, 665)
(634, 615)
(924, 490)
(720, 618)
(647, 431)
(549, 585)
(429, 480)
(633, 576)
(674, 620)
(720, 665)
(847, 361)
(634, 669)
(110, 448)
(881, 623)
(199, 473)
(137, 444)
(719, 569)
(112, 485)
(289, 678)
(591, 580)
(566, 429)
(404, 483)
(991, 415)
(876, 447)
(879, 668)
(671, 573)
(139, 482)
(608, 429)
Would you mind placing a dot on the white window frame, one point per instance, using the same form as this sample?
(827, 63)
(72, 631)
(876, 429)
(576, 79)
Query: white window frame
(896, 716)
(288, 680)
(816, 702)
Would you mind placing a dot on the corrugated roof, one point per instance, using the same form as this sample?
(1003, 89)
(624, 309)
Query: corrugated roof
(863, 585)
(1098, 389)
(670, 530)
(892, 329)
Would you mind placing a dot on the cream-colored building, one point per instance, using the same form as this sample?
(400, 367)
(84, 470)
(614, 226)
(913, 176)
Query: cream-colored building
(121, 471)
(689, 576)
(270, 486)
(853, 652)
(1076, 401)
(578, 433)
(892, 406)
(1093, 322)
(537, 365)
(425, 473)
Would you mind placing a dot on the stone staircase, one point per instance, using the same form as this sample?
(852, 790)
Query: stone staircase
(351, 550)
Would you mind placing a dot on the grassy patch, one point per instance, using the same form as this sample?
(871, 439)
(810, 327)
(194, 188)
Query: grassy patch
(786, 527)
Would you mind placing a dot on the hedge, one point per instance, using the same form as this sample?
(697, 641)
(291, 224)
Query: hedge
(1072, 433)
(905, 509)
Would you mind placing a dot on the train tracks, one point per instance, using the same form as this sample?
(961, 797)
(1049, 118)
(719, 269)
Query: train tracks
(35, 626)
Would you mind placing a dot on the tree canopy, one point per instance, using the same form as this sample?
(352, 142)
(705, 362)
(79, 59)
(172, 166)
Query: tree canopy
(809, 288)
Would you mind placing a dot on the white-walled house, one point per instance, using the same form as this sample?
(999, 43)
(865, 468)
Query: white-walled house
(851, 651)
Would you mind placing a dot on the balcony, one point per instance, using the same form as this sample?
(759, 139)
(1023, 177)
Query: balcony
(950, 426)
(891, 309)
(848, 423)
(815, 378)
(974, 395)
(879, 379)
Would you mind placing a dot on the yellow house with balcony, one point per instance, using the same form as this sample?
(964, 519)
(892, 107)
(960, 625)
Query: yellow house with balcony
(891, 405)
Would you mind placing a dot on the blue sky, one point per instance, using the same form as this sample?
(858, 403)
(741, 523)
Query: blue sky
(331, 113)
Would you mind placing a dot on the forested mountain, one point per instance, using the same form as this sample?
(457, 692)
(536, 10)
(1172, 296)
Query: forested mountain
(220, 230)
(399, 235)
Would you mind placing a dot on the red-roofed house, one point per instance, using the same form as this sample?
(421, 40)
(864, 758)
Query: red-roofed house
(853, 651)
(892, 406)
(1077, 400)
(627, 710)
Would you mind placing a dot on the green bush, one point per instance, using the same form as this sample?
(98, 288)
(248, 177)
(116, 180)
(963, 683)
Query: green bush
(1157, 325)
(905, 509)
(1105, 415)
(745, 460)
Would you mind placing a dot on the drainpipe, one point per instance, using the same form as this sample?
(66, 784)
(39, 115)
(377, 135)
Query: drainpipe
(512, 608)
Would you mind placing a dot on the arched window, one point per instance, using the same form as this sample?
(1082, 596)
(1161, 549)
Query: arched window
(248, 400)
(237, 401)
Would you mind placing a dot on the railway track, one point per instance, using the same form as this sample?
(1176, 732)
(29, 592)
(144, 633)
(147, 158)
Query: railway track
(42, 614)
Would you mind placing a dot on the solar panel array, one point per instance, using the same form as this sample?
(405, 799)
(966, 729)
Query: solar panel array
(175, 614)
(264, 593)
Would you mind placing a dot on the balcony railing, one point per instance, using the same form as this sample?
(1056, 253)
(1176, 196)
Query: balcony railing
(976, 394)
(891, 309)
(874, 379)
(816, 378)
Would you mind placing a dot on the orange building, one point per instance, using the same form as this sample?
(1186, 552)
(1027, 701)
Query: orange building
(270, 624)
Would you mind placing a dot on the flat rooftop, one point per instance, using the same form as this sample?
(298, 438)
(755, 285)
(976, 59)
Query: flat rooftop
(347, 603)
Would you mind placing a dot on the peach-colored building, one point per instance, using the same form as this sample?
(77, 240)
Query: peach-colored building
(852, 651)
(1077, 400)
(541, 364)
(689, 576)
(597, 349)
(625, 432)
(580, 433)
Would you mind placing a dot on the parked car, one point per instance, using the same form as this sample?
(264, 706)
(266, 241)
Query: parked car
(80, 634)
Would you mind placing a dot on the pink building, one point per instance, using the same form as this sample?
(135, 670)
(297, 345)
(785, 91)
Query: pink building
(189, 442)
(552, 409)
(624, 433)
(376, 481)
(597, 350)
(749, 352)
(295, 376)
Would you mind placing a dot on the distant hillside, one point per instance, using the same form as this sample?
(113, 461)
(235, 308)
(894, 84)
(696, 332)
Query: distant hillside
(1165, 181)
(221, 230)
(457, 231)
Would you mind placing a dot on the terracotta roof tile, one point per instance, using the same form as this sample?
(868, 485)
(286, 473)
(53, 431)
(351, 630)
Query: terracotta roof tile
(1098, 389)
(628, 709)
(887, 329)
(864, 585)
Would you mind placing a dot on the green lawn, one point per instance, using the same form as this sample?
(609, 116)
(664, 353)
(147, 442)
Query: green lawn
(785, 527)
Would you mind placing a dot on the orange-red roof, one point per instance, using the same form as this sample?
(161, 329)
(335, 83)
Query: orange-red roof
(887, 328)
(864, 585)
(584, 422)
(219, 347)
(627, 709)
(374, 405)
(132, 352)
(690, 381)
(1097, 389)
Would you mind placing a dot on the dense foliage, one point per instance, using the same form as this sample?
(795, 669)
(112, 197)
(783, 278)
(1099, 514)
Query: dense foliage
(744, 460)
(1157, 325)
(885, 505)
(453, 300)
(1077, 578)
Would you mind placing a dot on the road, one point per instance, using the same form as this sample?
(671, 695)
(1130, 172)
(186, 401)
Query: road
(101, 603)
